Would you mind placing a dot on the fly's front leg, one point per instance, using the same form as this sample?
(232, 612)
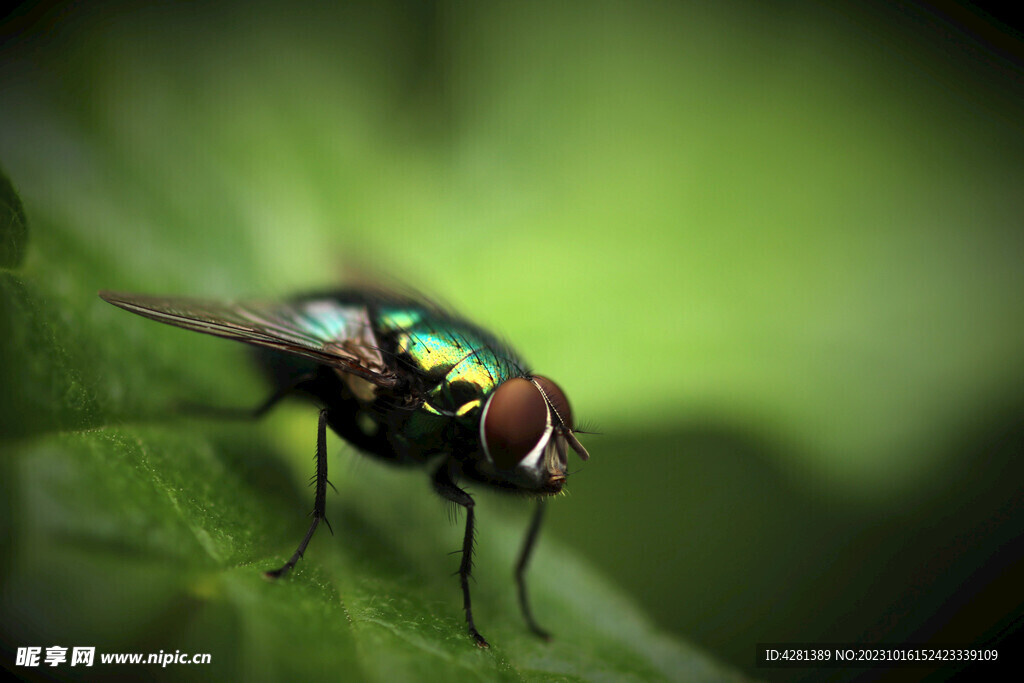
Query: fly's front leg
(319, 501)
(524, 559)
(447, 489)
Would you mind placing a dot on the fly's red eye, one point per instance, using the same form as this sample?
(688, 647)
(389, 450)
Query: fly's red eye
(514, 422)
(558, 400)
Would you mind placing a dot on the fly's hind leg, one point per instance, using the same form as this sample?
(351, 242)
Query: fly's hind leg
(447, 489)
(319, 500)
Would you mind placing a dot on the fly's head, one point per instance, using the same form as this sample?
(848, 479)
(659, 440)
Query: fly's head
(526, 429)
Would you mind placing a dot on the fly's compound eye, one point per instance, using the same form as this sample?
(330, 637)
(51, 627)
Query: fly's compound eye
(556, 397)
(514, 422)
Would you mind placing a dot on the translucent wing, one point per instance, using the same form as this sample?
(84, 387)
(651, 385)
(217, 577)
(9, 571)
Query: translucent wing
(324, 329)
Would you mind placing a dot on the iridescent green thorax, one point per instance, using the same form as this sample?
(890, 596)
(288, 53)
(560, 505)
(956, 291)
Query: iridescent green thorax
(466, 362)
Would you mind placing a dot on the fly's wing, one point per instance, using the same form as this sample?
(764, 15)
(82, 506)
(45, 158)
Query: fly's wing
(321, 328)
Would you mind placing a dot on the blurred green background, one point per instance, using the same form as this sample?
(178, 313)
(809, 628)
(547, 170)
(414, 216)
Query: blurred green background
(773, 252)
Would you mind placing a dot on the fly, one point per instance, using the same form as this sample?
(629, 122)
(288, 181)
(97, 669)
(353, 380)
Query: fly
(408, 382)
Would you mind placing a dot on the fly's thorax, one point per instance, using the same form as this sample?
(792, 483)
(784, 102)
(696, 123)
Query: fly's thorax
(462, 391)
(525, 432)
(434, 346)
